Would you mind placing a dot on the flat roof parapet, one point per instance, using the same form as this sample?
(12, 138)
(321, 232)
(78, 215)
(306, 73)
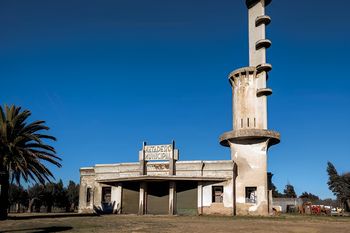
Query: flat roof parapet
(163, 178)
(86, 168)
(242, 70)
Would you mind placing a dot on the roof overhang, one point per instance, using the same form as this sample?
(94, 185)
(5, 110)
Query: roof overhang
(162, 178)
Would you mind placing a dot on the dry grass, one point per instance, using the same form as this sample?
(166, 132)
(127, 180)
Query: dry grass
(130, 223)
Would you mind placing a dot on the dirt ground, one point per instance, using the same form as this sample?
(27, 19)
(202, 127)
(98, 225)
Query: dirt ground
(203, 224)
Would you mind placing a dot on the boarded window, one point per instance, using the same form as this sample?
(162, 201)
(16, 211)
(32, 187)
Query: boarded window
(250, 195)
(106, 194)
(88, 195)
(217, 194)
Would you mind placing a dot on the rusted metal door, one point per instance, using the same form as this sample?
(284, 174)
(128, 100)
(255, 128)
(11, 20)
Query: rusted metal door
(187, 195)
(130, 198)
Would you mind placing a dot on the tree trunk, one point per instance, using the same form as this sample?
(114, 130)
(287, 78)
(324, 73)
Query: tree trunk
(18, 207)
(72, 207)
(30, 205)
(347, 205)
(49, 208)
(4, 193)
(37, 207)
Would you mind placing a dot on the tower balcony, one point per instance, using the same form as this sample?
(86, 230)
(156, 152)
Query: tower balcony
(263, 43)
(264, 67)
(263, 92)
(263, 19)
(247, 136)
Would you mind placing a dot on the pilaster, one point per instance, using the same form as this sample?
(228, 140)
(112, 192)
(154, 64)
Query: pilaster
(172, 198)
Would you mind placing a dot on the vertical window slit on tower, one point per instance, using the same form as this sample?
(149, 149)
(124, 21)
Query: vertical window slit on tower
(248, 122)
(254, 122)
(241, 122)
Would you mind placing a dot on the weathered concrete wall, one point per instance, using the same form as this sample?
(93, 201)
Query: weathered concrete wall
(217, 209)
(87, 180)
(110, 171)
(252, 172)
(205, 204)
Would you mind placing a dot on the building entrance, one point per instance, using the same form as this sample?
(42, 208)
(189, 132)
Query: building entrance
(157, 198)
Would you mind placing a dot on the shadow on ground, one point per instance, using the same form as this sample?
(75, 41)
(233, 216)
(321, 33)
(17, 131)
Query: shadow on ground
(41, 229)
(19, 217)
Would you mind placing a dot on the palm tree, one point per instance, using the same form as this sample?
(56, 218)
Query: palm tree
(23, 148)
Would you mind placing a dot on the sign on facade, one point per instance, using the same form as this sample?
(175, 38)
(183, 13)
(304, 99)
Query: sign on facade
(158, 152)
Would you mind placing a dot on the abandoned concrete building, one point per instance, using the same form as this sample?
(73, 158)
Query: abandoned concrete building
(161, 184)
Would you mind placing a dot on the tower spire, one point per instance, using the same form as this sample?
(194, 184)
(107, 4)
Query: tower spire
(257, 35)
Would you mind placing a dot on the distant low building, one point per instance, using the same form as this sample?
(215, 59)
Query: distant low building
(287, 205)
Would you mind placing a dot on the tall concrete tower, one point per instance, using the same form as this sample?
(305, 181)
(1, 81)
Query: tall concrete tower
(250, 138)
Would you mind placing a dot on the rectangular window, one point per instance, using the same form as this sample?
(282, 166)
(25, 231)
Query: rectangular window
(217, 194)
(250, 195)
(106, 194)
(88, 195)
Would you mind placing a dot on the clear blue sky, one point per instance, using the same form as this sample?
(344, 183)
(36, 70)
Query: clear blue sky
(107, 75)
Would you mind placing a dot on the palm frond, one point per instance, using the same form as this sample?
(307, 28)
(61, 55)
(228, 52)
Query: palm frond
(23, 147)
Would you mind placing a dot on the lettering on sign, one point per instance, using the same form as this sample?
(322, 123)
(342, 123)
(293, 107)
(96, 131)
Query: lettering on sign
(158, 152)
(160, 166)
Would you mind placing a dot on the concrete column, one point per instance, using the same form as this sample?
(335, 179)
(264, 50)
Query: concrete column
(82, 196)
(200, 198)
(143, 170)
(172, 198)
(270, 201)
(172, 169)
(96, 196)
(143, 198)
(117, 198)
(234, 176)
